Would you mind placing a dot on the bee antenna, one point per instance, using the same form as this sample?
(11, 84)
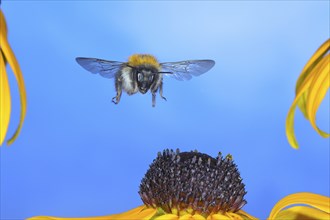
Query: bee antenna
(130, 66)
(165, 72)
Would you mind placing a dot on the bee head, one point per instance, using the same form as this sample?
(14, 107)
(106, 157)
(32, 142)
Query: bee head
(145, 77)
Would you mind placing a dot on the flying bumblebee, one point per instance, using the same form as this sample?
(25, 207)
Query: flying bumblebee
(143, 72)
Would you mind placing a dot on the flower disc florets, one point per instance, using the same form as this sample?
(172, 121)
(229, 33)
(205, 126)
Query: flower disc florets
(193, 181)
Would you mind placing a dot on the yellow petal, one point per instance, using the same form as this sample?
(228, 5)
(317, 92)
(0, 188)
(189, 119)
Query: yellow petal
(192, 217)
(245, 215)
(289, 124)
(186, 217)
(321, 51)
(198, 217)
(313, 61)
(234, 216)
(141, 212)
(10, 57)
(3, 25)
(302, 212)
(167, 217)
(322, 203)
(5, 104)
(318, 89)
(217, 217)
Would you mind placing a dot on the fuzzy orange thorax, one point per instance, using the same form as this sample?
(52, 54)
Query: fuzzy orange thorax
(143, 59)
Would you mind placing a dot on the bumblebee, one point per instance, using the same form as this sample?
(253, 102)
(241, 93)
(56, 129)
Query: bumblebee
(142, 72)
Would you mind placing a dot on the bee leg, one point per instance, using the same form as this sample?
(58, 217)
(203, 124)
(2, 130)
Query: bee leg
(161, 91)
(116, 99)
(153, 99)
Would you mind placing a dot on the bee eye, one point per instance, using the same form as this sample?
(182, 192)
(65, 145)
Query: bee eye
(151, 77)
(140, 76)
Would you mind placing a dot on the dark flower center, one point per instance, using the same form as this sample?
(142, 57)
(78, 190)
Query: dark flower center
(193, 181)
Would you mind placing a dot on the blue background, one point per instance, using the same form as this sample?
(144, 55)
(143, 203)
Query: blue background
(81, 155)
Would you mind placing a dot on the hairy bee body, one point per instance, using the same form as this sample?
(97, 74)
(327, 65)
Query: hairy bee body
(142, 72)
(139, 74)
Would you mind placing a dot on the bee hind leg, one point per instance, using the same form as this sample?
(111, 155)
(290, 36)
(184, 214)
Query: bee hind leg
(161, 91)
(153, 99)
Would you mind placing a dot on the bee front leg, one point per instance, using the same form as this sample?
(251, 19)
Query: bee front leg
(161, 91)
(118, 86)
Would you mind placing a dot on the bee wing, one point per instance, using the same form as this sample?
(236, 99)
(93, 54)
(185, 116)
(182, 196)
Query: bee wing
(105, 68)
(184, 70)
